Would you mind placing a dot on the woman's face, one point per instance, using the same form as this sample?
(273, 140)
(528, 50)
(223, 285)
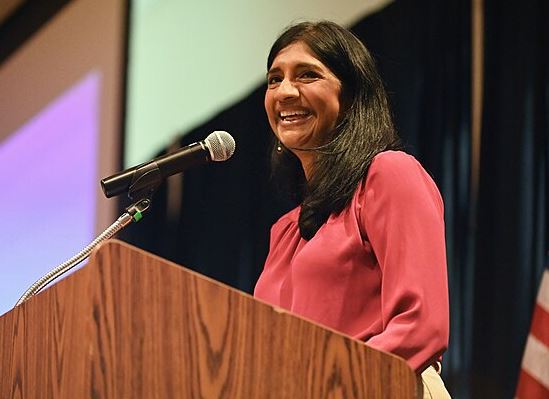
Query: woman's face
(302, 99)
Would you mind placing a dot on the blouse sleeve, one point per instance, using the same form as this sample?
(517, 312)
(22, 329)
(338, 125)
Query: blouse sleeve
(402, 218)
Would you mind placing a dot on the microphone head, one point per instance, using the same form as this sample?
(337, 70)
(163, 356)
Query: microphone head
(221, 145)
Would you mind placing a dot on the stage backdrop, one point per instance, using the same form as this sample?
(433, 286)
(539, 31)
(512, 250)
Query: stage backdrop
(60, 107)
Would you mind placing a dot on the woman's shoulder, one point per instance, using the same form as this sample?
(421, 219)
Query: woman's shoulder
(393, 160)
(397, 175)
(395, 166)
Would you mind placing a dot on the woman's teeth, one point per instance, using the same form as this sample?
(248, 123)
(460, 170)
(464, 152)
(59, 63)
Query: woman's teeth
(293, 115)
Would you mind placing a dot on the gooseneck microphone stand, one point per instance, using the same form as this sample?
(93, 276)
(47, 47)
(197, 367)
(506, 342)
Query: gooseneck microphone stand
(133, 213)
(145, 181)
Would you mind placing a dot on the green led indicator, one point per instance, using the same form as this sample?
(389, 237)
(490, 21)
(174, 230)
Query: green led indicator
(137, 217)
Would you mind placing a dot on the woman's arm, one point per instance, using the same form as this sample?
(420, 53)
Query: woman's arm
(402, 217)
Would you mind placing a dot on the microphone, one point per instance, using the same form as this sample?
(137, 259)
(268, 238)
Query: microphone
(218, 146)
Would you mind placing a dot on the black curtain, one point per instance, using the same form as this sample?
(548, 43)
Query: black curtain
(512, 222)
(216, 219)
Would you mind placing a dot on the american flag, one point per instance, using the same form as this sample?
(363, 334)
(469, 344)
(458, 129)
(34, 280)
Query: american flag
(533, 380)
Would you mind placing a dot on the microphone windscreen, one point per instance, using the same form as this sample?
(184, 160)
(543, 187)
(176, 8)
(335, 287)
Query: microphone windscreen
(221, 145)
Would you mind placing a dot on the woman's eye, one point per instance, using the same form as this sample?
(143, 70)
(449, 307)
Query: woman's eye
(310, 75)
(273, 80)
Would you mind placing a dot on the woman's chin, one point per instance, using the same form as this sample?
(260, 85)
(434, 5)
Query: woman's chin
(295, 139)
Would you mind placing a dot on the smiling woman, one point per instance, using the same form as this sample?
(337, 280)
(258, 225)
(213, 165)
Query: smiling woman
(302, 101)
(363, 252)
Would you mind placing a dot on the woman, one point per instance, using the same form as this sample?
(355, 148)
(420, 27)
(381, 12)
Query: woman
(363, 252)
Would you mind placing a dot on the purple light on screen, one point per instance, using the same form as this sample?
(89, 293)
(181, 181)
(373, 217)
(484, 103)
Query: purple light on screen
(48, 179)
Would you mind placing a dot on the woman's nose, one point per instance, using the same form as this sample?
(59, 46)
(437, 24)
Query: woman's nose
(287, 90)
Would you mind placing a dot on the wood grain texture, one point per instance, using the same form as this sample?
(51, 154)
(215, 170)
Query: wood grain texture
(130, 324)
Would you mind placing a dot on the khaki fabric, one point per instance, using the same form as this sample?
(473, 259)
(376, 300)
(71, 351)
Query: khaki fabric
(433, 386)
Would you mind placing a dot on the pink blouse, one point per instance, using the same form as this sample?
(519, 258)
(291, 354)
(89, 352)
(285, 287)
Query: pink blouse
(376, 271)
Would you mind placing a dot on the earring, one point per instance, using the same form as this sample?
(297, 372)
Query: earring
(279, 148)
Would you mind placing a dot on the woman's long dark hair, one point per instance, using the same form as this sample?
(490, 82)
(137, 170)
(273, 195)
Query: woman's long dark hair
(364, 130)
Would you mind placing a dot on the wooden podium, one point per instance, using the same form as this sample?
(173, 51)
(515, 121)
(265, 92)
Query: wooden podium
(132, 325)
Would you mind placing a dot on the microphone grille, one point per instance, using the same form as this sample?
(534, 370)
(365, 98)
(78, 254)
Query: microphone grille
(221, 145)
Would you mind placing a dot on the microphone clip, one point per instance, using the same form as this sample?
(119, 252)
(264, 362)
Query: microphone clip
(137, 209)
